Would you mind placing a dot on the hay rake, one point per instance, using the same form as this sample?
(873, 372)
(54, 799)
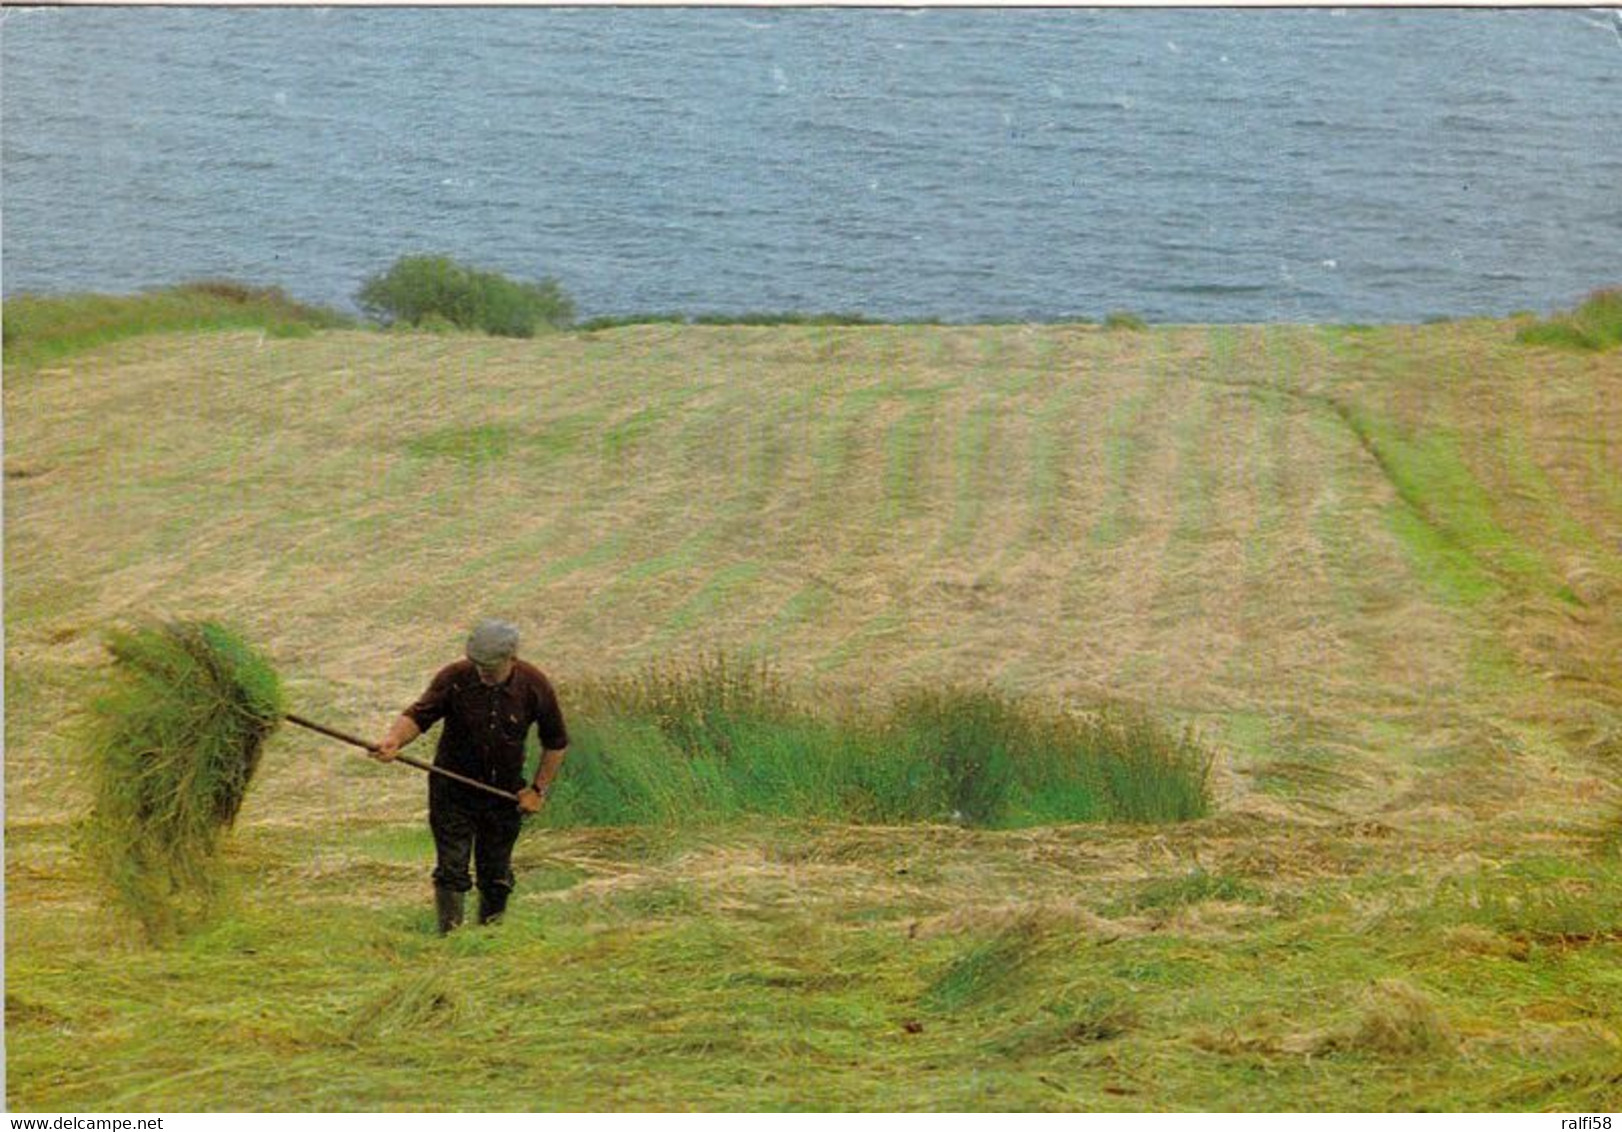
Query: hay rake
(355, 741)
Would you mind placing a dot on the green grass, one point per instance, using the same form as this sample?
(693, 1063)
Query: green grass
(1124, 320)
(1595, 324)
(810, 318)
(1550, 900)
(1449, 569)
(1195, 887)
(986, 970)
(695, 973)
(783, 318)
(41, 329)
(745, 318)
(616, 321)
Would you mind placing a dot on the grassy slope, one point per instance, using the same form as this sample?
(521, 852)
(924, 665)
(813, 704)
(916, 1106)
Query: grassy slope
(1380, 570)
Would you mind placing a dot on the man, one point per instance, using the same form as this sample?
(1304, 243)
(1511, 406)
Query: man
(488, 702)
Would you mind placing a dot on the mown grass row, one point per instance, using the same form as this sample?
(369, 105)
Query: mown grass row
(720, 739)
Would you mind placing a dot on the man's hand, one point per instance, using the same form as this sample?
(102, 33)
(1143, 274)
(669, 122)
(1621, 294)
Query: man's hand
(533, 796)
(400, 732)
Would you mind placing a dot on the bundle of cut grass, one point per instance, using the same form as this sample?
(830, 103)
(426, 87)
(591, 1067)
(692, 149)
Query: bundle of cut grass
(173, 745)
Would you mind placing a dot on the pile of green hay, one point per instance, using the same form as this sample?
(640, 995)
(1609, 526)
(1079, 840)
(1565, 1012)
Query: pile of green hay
(173, 743)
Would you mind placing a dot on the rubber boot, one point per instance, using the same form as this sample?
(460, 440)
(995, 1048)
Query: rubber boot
(492, 903)
(448, 903)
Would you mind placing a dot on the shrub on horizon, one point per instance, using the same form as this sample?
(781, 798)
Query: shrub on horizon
(422, 288)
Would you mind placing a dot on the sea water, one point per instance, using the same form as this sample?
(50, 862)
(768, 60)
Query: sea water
(1192, 166)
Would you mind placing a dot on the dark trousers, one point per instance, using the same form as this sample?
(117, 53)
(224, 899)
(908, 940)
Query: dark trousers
(467, 826)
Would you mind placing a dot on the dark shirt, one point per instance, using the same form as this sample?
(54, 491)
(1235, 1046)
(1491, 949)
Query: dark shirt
(485, 724)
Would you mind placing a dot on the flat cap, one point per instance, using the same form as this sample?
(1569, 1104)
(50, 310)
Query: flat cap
(492, 642)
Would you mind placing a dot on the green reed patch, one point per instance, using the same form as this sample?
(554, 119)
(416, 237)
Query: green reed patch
(725, 738)
(173, 741)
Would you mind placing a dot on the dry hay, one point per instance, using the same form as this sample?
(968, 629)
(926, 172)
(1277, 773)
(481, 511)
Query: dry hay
(1397, 1020)
(1048, 919)
(409, 1005)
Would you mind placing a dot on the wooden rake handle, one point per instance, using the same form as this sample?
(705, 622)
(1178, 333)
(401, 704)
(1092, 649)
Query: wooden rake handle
(407, 759)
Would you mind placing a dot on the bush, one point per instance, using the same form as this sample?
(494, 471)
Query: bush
(421, 288)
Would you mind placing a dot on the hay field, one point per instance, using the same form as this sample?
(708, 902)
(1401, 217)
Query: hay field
(1380, 569)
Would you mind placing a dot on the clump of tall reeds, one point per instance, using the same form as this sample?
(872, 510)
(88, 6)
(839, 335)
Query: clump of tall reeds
(1004, 759)
(724, 738)
(173, 741)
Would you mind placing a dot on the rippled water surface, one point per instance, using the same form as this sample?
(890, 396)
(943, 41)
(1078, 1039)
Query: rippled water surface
(1189, 165)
